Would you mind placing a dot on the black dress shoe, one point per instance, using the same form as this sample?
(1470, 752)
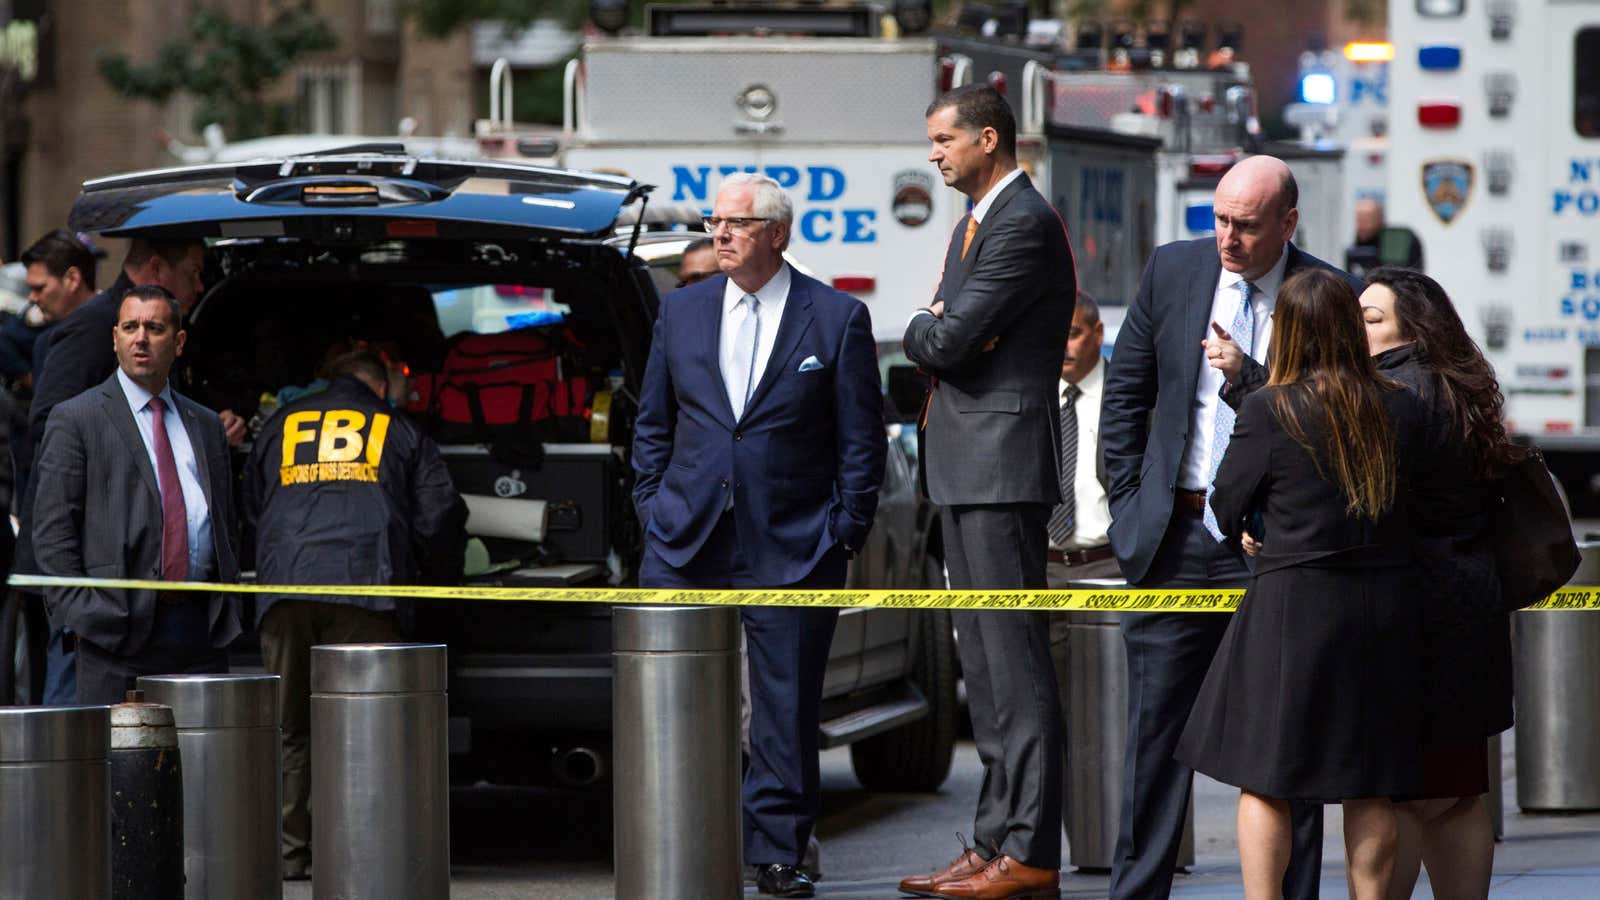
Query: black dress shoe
(780, 880)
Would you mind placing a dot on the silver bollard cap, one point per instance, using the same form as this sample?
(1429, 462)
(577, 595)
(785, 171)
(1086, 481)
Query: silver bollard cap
(675, 629)
(216, 701)
(379, 669)
(54, 733)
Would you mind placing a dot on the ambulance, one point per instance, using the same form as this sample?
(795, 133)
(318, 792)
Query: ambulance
(1494, 160)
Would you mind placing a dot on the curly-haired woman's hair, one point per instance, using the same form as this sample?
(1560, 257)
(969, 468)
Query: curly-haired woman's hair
(1320, 350)
(1466, 381)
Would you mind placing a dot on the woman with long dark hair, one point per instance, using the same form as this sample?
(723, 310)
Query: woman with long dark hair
(1417, 338)
(1313, 692)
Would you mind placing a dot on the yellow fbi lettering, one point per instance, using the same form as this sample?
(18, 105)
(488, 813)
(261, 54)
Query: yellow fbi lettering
(344, 453)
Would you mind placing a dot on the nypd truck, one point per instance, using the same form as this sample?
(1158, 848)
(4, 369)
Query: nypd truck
(1495, 162)
(829, 102)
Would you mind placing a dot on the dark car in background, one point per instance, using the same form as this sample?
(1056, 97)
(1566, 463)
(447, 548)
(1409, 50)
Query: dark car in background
(370, 244)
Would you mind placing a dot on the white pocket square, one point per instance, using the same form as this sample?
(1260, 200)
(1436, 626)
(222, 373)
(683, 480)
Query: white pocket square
(811, 364)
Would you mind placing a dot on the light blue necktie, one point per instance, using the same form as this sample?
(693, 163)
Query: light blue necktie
(742, 380)
(1243, 331)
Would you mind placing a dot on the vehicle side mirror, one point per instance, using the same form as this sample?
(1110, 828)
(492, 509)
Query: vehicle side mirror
(907, 387)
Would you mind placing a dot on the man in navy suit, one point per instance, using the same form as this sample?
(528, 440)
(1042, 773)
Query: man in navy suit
(1195, 340)
(758, 452)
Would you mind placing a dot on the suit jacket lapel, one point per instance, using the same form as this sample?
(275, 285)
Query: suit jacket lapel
(1201, 294)
(1011, 190)
(796, 319)
(116, 408)
(955, 271)
(710, 313)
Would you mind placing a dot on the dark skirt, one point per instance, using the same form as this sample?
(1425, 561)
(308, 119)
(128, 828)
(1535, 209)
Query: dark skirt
(1466, 644)
(1314, 693)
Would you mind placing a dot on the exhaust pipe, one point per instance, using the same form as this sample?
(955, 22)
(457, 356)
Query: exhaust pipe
(578, 766)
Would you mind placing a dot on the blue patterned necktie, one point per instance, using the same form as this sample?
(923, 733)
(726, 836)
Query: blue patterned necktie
(745, 343)
(1243, 331)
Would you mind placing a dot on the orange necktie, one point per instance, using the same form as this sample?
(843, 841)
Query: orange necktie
(972, 229)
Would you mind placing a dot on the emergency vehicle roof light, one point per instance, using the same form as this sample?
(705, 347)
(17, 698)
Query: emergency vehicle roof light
(1439, 114)
(1369, 51)
(855, 284)
(1317, 87)
(1439, 57)
(913, 16)
(1440, 8)
(610, 16)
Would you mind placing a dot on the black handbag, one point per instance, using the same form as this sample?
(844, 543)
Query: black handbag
(1531, 532)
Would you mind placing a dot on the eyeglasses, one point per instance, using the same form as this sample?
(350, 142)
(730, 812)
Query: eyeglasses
(695, 278)
(736, 224)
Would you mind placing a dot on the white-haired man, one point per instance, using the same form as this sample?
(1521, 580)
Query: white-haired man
(759, 450)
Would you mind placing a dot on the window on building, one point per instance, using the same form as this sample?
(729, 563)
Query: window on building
(329, 100)
(1586, 82)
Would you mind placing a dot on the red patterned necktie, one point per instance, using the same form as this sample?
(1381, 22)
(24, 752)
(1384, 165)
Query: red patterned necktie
(174, 517)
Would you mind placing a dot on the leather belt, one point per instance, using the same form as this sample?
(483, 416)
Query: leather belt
(177, 598)
(1079, 557)
(1193, 502)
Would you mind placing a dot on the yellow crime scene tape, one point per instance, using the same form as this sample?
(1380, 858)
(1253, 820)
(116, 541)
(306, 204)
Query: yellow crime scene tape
(1078, 600)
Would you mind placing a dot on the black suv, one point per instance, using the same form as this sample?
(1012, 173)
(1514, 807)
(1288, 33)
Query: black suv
(370, 244)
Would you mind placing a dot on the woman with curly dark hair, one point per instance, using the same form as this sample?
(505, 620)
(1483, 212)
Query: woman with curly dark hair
(1314, 692)
(1417, 338)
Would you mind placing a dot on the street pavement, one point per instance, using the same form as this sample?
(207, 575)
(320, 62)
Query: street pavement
(523, 844)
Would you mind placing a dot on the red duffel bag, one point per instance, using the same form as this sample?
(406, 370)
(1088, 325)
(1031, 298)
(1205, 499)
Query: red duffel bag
(491, 384)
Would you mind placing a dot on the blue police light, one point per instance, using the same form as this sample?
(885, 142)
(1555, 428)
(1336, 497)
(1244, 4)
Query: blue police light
(1439, 57)
(1317, 87)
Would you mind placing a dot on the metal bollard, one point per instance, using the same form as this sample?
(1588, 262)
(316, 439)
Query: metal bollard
(380, 772)
(54, 793)
(1097, 740)
(146, 802)
(232, 781)
(1558, 696)
(675, 740)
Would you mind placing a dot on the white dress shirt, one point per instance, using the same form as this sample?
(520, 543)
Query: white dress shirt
(1093, 517)
(1195, 472)
(979, 210)
(772, 295)
(196, 510)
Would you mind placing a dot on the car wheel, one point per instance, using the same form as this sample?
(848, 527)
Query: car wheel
(916, 757)
(22, 669)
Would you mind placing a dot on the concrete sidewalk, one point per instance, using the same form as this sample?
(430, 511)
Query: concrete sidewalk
(1548, 857)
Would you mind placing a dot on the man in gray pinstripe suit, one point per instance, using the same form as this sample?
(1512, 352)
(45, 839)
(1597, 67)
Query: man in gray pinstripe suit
(134, 482)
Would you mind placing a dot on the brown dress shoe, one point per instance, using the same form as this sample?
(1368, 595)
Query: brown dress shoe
(1005, 879)
(964, 866)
